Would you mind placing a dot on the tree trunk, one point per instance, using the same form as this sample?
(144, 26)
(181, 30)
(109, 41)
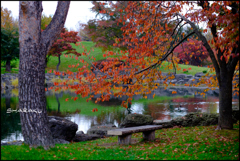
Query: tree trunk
(225, 102)
(8, 66)
(34, 46)
(57, 98)
(59, 61)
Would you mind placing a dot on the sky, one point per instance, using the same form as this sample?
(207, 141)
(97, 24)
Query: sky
(78, 11)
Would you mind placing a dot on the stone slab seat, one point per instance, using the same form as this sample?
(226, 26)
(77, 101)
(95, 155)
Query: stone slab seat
(124, 134)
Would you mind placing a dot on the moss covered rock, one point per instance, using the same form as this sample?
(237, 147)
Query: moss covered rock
(132, 120)
(198, 119)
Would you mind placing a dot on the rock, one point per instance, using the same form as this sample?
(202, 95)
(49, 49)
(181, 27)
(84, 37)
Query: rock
(62, 128)
(199, 74)
(101, 129)
(16, 142)
(181, 81)
(60, 141)
(180, 76)
(86, 137)
(20, 142)
(79, 132)
(196, 119)
(216, 92)
(172, 81)
(189, 76)
(136, 120)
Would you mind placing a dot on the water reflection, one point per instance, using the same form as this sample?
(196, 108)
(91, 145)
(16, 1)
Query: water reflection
(10, 122)
(162, 110)
(170, 109)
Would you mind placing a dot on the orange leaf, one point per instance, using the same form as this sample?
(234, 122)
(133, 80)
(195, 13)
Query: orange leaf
(66, 99)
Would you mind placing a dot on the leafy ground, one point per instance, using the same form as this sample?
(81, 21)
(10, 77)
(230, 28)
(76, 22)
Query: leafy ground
(185, 143)
(98, 54)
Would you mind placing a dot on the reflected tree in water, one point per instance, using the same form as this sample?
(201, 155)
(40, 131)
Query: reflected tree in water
(9, 121)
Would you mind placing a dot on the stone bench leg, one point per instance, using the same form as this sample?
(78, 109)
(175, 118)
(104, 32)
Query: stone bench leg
(124, 139)
(149, 135)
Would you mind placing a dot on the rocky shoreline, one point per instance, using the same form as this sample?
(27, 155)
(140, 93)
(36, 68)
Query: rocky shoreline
(179, 80)
(94, 133)
(63, 132)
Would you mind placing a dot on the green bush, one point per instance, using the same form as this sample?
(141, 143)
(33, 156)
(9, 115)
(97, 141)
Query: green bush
(204, 71)
(14, 64)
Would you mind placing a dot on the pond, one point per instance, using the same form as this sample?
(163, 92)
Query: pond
(79, 111)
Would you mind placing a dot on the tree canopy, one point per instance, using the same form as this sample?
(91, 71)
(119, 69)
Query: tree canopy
(9, 38)
(152, 34)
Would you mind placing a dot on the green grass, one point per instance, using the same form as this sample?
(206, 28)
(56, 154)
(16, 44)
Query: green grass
(185, 143)
(80, 104)
(193, 71)
(13, 70)
(98, 54)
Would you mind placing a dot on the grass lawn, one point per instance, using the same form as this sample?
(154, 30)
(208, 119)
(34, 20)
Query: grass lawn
(80, 104)
(185, 143)
(98, 54)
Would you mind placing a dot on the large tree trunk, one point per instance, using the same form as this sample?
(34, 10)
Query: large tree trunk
(225, 102)
(34, 46)
(224, 72)
(8, 66)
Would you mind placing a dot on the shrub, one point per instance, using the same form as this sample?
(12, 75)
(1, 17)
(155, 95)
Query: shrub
(14, 64)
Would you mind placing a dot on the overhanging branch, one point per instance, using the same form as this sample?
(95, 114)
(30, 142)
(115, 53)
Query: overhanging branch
(205, 43)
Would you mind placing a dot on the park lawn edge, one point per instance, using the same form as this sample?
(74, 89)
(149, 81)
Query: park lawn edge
(181, 143)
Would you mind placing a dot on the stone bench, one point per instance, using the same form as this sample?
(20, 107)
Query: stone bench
(124, 134)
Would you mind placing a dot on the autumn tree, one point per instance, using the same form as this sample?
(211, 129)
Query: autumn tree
(221, 17)
(34, 46)
(62, 44)
(160, 22)
(191, 52)
(105, 28)
(7, 21)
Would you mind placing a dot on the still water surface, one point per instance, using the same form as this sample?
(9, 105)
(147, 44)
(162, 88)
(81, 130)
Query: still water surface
(161, 110)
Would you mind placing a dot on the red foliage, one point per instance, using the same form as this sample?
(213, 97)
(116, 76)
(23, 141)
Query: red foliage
(63, 43)
(191, 52)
